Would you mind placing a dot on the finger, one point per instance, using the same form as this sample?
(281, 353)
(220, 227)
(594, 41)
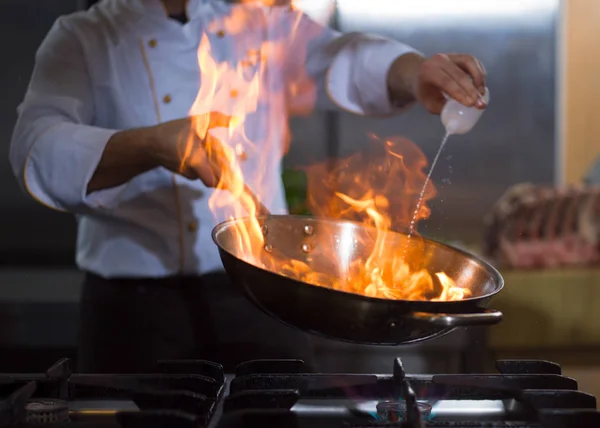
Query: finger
(219, 120)
(202, 123)
(435, 105)
(216, 158)
(463, 80)
(199, 165)
(207, 175)
(473, 67)
(434, 73)
(482, 90)
(187, 142)
(200, 168)
(215, 152)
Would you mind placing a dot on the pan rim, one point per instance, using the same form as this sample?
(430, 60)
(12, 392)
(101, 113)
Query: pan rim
(494, 273)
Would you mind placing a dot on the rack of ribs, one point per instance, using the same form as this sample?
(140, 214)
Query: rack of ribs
(534, 226)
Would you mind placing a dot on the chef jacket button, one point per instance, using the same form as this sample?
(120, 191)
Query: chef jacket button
(167, 99)
(152, 43)
(193, 226)
(234, 93)
(220, 34)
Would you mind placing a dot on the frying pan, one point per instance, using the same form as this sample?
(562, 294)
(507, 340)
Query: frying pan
(328, 246)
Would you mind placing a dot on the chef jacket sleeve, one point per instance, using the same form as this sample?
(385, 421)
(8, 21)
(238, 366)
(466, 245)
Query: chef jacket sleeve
(54, 149)
(327, 69)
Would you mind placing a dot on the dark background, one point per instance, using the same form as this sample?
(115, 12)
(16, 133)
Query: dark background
(514, 142)
(31, 235)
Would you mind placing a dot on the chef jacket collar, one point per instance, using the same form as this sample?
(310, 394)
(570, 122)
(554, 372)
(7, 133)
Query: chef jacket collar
(194, 8)
(156, 8)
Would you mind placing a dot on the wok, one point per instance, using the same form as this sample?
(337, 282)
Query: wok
(348, 316)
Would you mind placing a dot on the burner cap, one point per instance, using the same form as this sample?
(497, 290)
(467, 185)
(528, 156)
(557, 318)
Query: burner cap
(46, 411)
(395, 411)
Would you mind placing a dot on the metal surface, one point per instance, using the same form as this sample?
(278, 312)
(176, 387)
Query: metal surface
(347, 316)
(39, 323)
(478, 409)
(515, 141)
(197, 393)
(593, 176)
(31, 233)
(519, 52)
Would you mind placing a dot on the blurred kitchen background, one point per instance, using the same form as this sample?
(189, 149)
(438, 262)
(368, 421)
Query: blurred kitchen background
(542, 127)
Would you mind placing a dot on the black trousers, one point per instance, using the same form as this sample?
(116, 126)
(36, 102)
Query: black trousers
(129, 324)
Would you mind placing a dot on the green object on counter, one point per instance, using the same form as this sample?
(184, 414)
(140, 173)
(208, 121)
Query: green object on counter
(295, 184)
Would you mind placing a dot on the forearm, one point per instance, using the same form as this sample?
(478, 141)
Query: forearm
(402, 78)
(126, 155)
(359, 76)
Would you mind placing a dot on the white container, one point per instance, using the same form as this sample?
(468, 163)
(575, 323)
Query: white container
(460, 119)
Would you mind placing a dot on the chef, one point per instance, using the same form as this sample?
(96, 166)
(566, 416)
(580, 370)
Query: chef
(100, 133)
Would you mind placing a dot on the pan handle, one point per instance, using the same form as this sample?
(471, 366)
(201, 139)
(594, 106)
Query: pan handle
(485, 317)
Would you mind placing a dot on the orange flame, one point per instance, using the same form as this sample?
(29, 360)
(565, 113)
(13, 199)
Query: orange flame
(227, 89)
(378, 187)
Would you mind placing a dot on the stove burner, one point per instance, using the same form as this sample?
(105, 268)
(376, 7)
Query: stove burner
(395, 411)
(278, 394)
(46, 411)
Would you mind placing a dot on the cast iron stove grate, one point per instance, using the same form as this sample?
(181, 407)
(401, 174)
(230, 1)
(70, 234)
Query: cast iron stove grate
(186, 392)
(279, 394)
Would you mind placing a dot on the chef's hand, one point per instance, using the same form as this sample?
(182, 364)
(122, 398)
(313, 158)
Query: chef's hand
(460, 76)
(185, 146)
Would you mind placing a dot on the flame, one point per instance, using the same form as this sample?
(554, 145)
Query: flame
(377, 187)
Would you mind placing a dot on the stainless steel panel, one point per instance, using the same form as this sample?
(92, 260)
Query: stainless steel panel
(39, 308)
(515, 140)
(26, 226)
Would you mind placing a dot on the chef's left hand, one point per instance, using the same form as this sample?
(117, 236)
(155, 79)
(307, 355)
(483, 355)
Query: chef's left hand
(460, 76)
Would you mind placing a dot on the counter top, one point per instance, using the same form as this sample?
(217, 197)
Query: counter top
(548, 309)
(39, 308)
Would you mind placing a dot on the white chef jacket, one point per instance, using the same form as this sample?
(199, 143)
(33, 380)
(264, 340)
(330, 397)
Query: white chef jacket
(124, 64)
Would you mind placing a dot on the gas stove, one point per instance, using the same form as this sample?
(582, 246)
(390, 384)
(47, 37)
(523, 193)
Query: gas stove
(280, 394)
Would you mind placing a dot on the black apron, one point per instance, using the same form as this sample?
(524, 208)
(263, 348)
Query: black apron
(127, 325)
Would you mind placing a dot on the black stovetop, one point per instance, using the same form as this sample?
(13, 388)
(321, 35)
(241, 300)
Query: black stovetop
(279, 394)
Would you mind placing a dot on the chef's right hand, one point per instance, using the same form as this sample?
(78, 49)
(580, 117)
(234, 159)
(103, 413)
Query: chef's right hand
(185, 146)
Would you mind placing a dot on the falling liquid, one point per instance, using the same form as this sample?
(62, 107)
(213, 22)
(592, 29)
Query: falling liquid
(411, 227)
